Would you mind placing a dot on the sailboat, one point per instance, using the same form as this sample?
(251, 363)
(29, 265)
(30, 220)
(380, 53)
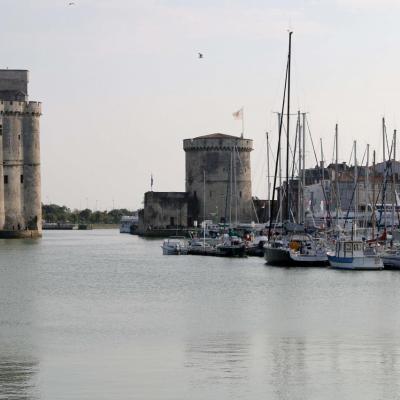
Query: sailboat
(297, 248)
(354, 254)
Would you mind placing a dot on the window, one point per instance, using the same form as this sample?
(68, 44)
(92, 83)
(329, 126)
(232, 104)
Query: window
(240, 194)
(5, 179)
(1, 130)
(19, 137)
(210, 194)
(21, 178)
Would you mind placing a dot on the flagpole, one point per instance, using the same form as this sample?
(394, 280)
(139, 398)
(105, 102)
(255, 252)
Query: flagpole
(242, 122)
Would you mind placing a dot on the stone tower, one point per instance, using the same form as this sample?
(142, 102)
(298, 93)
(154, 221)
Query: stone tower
(224, 162)
(20, 199)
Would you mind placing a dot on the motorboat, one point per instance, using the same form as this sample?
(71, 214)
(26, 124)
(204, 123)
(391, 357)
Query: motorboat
(355, 255)
(391, 258)
(127, 221)
(176, 245)
(298, 249)
(255, 247)
(201, 247)
(231, 246)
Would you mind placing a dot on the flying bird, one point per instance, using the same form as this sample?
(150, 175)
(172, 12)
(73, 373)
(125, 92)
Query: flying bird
(71, 3)
(200, 55)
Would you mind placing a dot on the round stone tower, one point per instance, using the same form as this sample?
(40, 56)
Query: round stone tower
(218, 170)
(20, 200)
(13, 164)
(2, 215)
(31, 167)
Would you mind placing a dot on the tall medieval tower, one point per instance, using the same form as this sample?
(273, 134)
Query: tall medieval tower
(218, 175)
(20, 189)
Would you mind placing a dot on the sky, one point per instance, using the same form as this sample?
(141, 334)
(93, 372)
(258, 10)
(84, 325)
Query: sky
(122, 85)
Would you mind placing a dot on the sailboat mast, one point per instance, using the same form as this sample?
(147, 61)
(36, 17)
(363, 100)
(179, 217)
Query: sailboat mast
(392, 161)
(337, 174)
(288, 129)
(367, 187)
(303, 217)
(385, 179)
(383, 139)
(204, 208)
(355, 186)
(299, 187)
(231, 190)
(280, 119)
(268, 180)
(279, 153)
(373, 196)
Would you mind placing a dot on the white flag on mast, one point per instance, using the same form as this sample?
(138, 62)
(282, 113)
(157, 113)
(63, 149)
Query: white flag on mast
(238, 114)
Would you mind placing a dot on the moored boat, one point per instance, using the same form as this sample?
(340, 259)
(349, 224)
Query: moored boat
(354, 255)
(231, 247)
(175, 246)
(296, 250)
(391, 259)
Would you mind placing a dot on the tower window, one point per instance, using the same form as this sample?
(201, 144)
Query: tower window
(1, 130)
(5, 179)
(21, 178)
(19, 137)
(240, 194)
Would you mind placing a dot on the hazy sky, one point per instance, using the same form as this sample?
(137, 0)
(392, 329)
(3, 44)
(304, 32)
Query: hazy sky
(122, 86)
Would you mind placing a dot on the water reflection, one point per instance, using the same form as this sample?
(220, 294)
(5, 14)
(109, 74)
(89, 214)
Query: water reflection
(18, 379)
(347, 367)
(218, 359)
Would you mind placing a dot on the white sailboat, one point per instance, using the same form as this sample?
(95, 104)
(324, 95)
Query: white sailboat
(355, 254)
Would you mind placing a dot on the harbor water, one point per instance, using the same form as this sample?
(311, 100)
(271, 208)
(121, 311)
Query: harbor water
(102, 315)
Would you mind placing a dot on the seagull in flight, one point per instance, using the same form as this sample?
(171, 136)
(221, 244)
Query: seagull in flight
(71, 3)
(200, 55)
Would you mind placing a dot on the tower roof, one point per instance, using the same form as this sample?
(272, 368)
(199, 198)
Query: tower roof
(217, 136)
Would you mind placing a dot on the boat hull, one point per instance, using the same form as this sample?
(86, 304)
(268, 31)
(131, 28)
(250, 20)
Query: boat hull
(231, 251)
(173, 252)
(278, 256)
(391, 262)
(355, 263)
(282, 256)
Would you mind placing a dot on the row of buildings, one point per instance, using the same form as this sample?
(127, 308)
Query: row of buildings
(218, 189)
(338, 189)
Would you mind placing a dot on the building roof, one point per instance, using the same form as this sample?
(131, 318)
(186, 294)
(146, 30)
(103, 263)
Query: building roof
(217, 136)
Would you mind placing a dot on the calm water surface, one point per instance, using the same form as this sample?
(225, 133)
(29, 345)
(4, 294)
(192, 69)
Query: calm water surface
(100, 315)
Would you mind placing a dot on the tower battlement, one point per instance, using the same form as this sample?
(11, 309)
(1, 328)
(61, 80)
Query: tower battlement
(217, 142)
(21, 107)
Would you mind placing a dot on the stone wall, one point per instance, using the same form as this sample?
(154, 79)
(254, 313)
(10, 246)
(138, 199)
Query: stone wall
(165, 210)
